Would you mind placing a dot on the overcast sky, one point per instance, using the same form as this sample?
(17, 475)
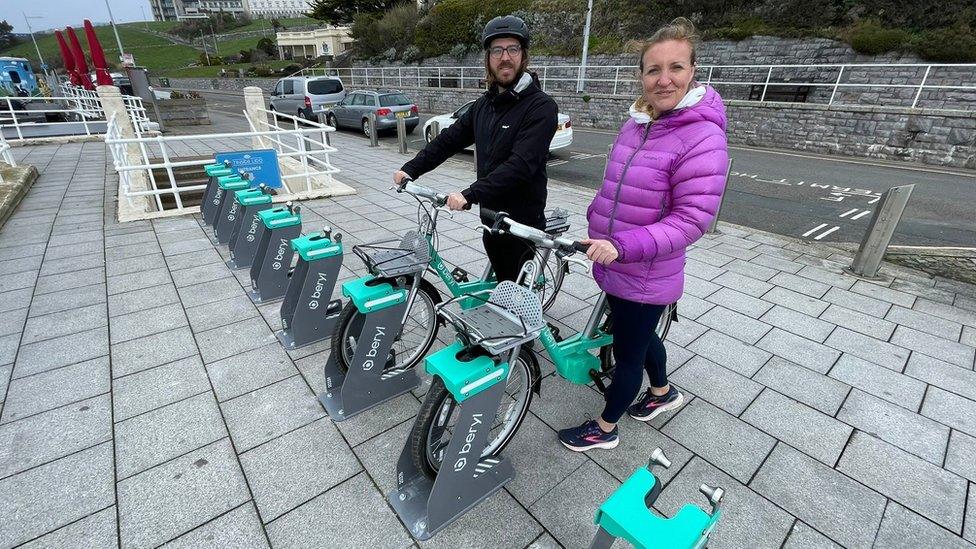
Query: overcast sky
(55, 14)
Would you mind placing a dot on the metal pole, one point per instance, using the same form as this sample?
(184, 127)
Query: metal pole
(435, 129)
(837, 83)
(373, 134)
(713, 227)
(586, 46)
(766, 85)
(204, 42)
(880, 230)
(214, 36)
(921, 86)
(144, 19)
(115, 30)
(402, 135)
(37, 49)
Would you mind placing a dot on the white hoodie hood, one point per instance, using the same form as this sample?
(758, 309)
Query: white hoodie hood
(693, 96)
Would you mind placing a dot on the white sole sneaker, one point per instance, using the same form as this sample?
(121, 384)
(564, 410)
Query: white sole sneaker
(658, 411)
(604, 445)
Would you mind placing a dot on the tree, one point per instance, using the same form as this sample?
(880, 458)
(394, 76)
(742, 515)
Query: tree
(267, 45)
(7, 38)
(342, 12)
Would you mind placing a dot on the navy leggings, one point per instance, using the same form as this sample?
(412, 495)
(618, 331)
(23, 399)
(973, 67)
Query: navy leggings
(636, 348)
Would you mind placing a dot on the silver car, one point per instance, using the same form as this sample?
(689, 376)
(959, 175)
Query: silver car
(306, 96)
(389, 105)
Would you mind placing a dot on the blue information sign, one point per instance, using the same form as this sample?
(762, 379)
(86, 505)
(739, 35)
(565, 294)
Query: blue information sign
(262, 164)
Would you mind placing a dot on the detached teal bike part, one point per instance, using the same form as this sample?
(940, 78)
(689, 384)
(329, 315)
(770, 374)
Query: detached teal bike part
(272, 259)
(308, 312)
(213, 171)
(248, 228)
(627, 514)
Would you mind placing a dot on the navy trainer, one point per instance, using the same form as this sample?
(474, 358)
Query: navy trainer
(587, 436)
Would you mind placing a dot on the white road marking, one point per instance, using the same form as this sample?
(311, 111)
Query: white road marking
(815, 229)
(860, 215)
(825, 233)
(848, 212)
(557, 162)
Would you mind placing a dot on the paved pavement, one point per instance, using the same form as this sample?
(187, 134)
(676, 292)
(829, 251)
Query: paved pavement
(147, 402)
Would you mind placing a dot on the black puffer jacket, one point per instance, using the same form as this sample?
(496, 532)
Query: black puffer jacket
(511, 131)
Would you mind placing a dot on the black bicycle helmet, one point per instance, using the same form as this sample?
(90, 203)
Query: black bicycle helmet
(505, 25)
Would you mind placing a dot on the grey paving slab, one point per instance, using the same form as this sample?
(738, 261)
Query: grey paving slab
(811, 388)
(813, 433)
(48, 497)
(959, 456)
(743, 283)
(201, 273)
(803, 536)
(97, 530)
(354, 512)
(862, 303)
(233, 339)
(162, 434)
(144, 237)
(51, 435)
(694, 286)
(137, 281)
(729, 443)
(66, 300)
(194, 259)
(20, 265)
(832, 276)
(499, 519)
(702, 270)
(751, 269)
(832, 503)
(800, 350)
(64, 323)
(17, 299)
(883, 294)
(968, 336)
(172, 499)
(156, 387)
(755, 522)
(72, 264)
(135, 264)
(379, 419)
(739, 302)
(178, 246)
(147, 322)
(719, 386)
(903, 428)
(692, 307)
(550, 407)
(934, 346)
(868, 348)
(292, 469)
(239, 528)
(68, 281)
(735, 324)
(221, 313)
(795, 301)
(899, 389)
(946, 376)
(259, 416)
(129, 251)
(948, 312)
(798, 323)
(76, 249)
(800, 284)
(969, 531)
(930, 324)
(566, 510)
(859, 322)
(8, 348)
(685, 331)
(16, 252)
(55, 388)
(140, 300)
(902, 528)
(11, 282)
(729, 352)
(245, 372)
(950, 409)
(147, 352)
(919, 485)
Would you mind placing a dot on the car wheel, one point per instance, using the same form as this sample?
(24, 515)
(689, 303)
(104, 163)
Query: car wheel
(429, 134)
(366, 127)
(332, 121)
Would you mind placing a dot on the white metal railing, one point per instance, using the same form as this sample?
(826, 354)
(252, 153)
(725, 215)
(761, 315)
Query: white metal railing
(5, 154)
(78, 113)
(165, 152)
(912, 85)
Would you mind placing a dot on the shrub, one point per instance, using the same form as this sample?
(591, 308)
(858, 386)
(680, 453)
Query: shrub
(267, 45)
(390, 54)
(411, 54)
(459, 22)
(870, 38)
(263, 71)
(375, 34)
(459, 51)
(955, 44)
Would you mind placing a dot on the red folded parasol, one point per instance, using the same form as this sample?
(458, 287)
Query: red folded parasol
(69, 60)
(102, 75)
(81, 65)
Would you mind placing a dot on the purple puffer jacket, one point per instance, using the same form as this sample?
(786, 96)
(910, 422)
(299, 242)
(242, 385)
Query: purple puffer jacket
(661, 190)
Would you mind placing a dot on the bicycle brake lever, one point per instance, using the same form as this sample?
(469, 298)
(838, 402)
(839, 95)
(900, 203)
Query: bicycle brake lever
(587, 265)
(445, 209)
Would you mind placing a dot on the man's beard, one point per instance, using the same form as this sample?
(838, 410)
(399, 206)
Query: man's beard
(515, 74)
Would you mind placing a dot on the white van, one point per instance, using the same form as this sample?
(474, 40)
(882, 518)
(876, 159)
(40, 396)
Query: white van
(305, 96)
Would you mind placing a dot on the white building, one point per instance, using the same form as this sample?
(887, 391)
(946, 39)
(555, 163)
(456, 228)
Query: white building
(328, 41)
(276, 8)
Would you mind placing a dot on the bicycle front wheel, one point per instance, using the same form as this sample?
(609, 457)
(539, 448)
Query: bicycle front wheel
(550, 280)
(439, 414)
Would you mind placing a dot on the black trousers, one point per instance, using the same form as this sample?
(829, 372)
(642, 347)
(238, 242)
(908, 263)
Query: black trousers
(637, 350)
(506, 254)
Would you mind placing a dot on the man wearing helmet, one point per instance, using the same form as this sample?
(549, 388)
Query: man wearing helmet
(511, 126)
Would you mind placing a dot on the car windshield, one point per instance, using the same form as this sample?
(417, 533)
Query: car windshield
(323, 87)
(394, 99)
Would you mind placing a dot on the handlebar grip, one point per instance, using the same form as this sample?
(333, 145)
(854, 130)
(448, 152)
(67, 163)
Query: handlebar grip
(491, 214)
(403, 183)
(580, 247)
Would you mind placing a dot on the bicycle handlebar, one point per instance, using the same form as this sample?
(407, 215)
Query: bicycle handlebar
(526, 232)
(408, 186)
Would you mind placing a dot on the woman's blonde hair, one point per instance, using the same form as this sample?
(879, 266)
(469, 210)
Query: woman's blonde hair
(681, 29)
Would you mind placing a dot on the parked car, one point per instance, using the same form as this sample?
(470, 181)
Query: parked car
(387, 104)
(562, 139)
(305, 96)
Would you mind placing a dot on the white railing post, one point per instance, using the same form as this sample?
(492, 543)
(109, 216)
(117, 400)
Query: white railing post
(439, 84)
(837, 83)
(399, 77)
(170, 174)
(545, 74)
(113, 105)
(921, 86)
(708, 81)
(462, 79)
(616, 79)
(766, 85)
(13, 116)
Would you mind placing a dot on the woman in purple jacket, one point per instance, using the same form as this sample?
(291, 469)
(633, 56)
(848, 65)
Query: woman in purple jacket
(661, 190)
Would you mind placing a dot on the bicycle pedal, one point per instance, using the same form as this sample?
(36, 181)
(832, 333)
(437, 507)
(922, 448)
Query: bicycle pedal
(459, 275)
(555, 333)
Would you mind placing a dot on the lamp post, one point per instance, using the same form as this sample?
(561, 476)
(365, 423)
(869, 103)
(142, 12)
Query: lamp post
(114, 29)
(586, 46)
(27, 19)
